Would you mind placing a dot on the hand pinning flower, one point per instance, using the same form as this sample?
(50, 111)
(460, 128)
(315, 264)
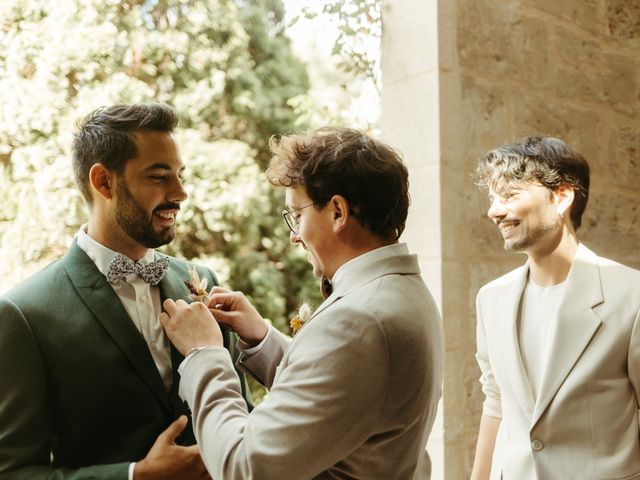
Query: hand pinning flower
(197, 287)
(297, 322)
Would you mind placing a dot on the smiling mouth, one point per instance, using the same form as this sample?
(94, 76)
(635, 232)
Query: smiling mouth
(506, 226)
(167, 217)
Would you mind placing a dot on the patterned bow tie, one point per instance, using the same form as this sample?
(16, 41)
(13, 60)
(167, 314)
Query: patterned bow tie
(121, 266)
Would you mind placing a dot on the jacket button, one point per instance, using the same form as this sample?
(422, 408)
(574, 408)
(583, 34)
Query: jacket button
(537, 445)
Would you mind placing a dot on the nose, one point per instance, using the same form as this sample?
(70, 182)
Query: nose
(294, 237)
(178, 193)
(496, 210)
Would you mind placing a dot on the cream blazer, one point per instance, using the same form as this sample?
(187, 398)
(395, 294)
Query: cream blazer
(353, 396)
(584, 422)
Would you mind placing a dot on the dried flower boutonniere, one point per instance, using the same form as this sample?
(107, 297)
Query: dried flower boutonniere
(197, 287)
(297, 322)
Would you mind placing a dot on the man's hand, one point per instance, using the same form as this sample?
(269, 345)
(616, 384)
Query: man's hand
(189, 326)
(233, 309)
(168, 461)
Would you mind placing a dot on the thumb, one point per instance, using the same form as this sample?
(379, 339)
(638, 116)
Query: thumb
(171, 433)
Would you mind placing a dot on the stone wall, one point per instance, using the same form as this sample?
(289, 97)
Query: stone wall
(464, 76)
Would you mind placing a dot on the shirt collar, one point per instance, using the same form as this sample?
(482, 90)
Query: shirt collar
(349, 268)
(101, 255)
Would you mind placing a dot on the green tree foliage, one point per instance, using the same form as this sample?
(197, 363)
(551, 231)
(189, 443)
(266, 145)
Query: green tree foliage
(359, 29)
(227, 68)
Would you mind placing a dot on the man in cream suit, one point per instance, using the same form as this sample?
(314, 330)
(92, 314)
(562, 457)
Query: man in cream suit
(354, 394)
(88, 379)
(558, 338)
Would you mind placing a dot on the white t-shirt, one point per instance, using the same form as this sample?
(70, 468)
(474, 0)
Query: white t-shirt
(537, 316)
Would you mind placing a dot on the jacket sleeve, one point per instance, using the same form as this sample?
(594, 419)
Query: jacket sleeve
(262, 365)
(633, 362)
(326, 401)
(492, 405)
(25, 419)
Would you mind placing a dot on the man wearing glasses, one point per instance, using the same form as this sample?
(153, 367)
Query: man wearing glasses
(354, 394)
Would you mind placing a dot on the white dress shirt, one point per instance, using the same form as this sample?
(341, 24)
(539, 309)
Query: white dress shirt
(141, 301)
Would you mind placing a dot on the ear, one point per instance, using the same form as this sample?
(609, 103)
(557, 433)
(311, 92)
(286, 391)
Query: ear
(101, 180)
(339, 209)
(563, 198)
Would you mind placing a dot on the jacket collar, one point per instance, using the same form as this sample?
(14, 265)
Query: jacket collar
(388, 260)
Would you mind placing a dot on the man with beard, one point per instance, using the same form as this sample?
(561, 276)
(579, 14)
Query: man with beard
(88, 378)
(558, 338)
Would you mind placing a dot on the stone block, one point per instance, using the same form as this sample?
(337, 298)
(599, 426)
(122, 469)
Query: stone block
(584, 13)
(484, 35)
(580, 127)
(623, 21)
(613, 83)
(505, 42)
(611, 224)
(578, 51)
(480, 123)
(621, 167)
(458, 319)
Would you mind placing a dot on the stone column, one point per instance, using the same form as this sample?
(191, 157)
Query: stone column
(410, 122)
(463, 76)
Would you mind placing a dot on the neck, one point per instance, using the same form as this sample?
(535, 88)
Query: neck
(551, 267)
(354, 247)
(111, 235)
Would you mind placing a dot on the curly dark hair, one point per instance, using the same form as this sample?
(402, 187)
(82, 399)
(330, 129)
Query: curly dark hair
(547, 160)
(342, 161)
(106, 136)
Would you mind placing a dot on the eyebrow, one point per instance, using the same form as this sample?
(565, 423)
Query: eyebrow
(163, 166)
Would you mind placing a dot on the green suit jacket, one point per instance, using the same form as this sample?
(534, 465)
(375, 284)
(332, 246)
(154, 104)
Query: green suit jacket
(80, 394)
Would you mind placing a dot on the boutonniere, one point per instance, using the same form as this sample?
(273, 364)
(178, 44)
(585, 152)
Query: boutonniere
(197, 287)
(297, 322)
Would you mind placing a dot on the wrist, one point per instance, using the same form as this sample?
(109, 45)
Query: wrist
(138, 471)
(257, 335)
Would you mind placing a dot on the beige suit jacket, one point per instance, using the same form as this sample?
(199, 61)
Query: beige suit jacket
(353, 396)
(583, 423)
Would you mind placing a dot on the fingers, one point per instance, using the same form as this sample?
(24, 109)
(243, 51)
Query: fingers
(172, 307)
(217, 289)
(172, 431)
(225, 299)
(165, 321)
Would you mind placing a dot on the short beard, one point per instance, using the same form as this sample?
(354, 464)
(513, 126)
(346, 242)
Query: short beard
(135, 222)
(531, 238)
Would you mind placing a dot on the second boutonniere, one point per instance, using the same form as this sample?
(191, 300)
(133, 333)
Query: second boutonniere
(197, 287)
(297, 322)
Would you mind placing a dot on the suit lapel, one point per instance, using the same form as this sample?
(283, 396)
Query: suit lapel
(512, 357)
(172, 285)
(574, 328)
(105, 305)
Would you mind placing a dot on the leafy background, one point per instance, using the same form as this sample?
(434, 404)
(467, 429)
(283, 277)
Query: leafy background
(230, 70)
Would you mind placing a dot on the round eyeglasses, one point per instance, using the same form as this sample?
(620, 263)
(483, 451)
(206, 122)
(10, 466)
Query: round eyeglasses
(293, 221)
